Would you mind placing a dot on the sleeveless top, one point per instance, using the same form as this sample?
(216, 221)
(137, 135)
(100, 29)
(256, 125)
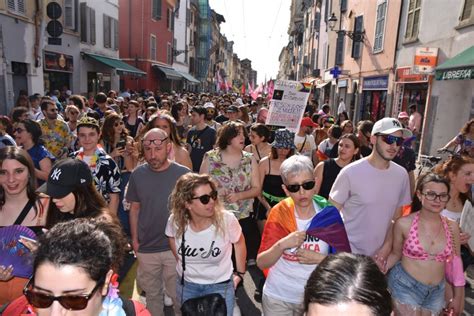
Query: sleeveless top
(413, 249)
(232, 180)
(29, 207)
(330, 172)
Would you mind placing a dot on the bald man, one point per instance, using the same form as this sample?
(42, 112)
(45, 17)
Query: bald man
(148, 191)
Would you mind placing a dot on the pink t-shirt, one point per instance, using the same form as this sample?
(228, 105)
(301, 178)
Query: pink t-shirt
(369, 198)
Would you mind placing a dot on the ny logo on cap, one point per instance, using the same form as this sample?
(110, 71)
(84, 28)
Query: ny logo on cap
(82, 181)
(56, 173)
(395, 122)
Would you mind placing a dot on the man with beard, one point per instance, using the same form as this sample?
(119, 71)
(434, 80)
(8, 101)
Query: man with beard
(210, 115)
(149, 187)
(56, 135)
(370, 192)
(201, 137)
(304, 139)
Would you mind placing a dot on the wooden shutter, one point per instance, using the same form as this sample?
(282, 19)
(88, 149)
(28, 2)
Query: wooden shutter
(116, 34)
(156, 10)
(106, 23)
(92, 25)
(340, 48)
(69, 17)
(317, 21)
(83, 12)
(357, 46)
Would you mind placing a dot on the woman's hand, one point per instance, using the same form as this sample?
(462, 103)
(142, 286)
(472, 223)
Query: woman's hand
(236, 279)
(6, 273)
(31, 245)
(464, 238)
(232, 197)
(308, 257)
(117, 152)
(293, 240)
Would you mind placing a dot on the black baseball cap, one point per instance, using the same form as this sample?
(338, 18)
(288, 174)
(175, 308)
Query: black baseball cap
(232, 109)
(65, 177)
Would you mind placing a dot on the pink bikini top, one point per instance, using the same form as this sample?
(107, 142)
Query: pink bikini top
(413, 249)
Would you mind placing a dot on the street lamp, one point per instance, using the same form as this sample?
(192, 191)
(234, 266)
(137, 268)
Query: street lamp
(355, 36)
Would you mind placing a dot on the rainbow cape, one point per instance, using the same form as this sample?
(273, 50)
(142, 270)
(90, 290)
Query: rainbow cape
(327, 225)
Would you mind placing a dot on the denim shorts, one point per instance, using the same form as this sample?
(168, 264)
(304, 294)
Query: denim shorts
(409, 291)
(192, 290)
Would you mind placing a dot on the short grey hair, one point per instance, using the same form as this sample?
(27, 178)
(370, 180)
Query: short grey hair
(294, 165)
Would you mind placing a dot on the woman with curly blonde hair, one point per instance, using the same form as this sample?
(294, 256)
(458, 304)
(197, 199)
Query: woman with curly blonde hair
(202, 232)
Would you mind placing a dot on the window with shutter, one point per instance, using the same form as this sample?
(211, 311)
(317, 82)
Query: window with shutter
(156, 10)
(169, 54)
(191, 65)
(152, 47)
(69, 15)
(340, 48)
(343, 5)
(83, 13)
(174, 46)
(116, 32)
(357, 46)
(106, 23)
(414, 8)
(317, 21)
(380, 26)
(467, 9)
(92, 26)
(16, 6)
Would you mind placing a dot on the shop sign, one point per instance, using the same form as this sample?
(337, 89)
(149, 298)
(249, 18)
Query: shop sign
(342, 83)
(425, 60)
(375, 83)
(405, 74)
(58, 62)
(455, 74)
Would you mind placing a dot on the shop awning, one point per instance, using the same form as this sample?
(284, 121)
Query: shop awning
(189, 78)
(169, 72)
(459, 67)
(122, 67)
(309, 80)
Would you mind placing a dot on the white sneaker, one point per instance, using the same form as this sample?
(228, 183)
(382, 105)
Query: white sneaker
(168, 300)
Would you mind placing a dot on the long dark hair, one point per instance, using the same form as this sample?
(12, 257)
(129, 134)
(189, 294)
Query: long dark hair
(89, 204)
(420, 184)
(34, 129)
(20, 155)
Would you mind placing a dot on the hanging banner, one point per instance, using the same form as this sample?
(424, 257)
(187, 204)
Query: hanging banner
(288, 104)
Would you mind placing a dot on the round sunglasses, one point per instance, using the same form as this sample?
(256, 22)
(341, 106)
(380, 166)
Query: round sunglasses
(205, 198)
(70, 302)
(293, 188)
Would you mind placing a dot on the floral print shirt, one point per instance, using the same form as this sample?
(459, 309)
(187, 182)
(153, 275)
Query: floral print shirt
(231, 180)
(104, 170)
(56, 139)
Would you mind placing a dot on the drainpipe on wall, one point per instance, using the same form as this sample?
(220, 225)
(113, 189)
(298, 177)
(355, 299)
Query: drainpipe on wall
(38, 18)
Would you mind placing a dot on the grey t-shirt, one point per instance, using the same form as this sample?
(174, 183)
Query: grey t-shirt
(152, 190)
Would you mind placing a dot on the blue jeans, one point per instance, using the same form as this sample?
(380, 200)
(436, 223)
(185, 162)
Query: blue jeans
(409, 291)
(122, 213)
(192, 290)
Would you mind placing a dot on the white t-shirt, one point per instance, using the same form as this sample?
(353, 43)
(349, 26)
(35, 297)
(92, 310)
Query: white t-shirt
(287, 277)
(208, 254)
(305, 147)
(369, 198)
(341, 108)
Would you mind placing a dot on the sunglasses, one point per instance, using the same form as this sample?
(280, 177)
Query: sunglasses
(206, 197)
(431, 196)
(293, 188)
(116, 124)
(18, 130)
(70, 302)
(389, 139)
(157, 142)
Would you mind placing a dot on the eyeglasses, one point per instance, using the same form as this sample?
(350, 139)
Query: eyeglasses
(206, 197)
(118, 123)
(293, 188)
(70, 302)
(431, 196)
(18, 130)
(389, 139)
(157, 142)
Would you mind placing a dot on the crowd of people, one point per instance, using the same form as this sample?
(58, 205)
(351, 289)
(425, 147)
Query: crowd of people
(200, 188)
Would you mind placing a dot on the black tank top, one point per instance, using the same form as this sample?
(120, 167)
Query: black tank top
(330, 172)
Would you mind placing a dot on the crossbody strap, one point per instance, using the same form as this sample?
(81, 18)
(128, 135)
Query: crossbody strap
(23, 213)
(304, 143)
(183, 264)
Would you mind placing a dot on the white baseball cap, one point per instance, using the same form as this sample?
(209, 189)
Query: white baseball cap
(208, 105)
(389, 125)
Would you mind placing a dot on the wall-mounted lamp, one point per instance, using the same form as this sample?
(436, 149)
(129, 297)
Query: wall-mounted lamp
(355, 36)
